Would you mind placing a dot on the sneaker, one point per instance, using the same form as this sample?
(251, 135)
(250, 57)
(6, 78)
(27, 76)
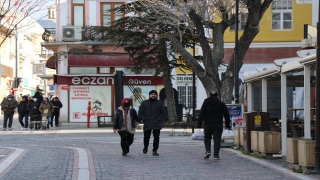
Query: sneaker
(154, 153)
(10, 128)
(124, 154)
(4, 129)
(207, 155)
(216, 157)
(22, 128)
(25, 128)
(145, 150)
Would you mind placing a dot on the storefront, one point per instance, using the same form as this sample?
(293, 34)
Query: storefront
(76, 91)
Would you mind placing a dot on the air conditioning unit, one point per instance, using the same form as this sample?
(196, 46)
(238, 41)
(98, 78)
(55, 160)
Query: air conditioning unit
(71, 33)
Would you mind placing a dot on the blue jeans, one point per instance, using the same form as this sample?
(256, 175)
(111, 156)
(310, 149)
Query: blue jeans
(26, 118)
(48, 120)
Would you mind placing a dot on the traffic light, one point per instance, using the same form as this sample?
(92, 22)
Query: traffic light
(16, 82)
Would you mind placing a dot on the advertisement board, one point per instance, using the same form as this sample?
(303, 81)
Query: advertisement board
(143, 91)
(236, 113)
(99, 96)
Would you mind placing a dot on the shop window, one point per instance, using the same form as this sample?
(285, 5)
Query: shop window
(78, 14)
(107, 17)
(82, 70)
(104, 70)
(185, 95)
(282, 14)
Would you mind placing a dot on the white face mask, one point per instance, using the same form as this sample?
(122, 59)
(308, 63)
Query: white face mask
(34, 99)
(10, 99)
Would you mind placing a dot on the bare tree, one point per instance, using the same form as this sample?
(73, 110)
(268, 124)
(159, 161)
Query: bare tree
(199, 16)
(15, 15)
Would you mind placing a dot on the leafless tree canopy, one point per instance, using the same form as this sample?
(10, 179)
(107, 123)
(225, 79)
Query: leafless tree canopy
(15, 15)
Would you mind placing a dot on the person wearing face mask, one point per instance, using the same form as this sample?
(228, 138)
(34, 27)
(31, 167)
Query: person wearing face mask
(152, 113)
(124, 124)
(46, 109)
(33, 108)
(23, 112)
(8, 106)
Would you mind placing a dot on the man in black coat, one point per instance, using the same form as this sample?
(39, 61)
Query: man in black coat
(57, 105)
(151, 113)
(23, 112)
(212, 113)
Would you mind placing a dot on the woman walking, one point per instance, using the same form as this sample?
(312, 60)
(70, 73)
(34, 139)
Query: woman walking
(125, 124)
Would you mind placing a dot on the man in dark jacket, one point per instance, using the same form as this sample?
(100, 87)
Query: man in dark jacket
(56, 111)
(33, 107)
(8, 106)
(212, 113)
(23, 112)
(151, 113)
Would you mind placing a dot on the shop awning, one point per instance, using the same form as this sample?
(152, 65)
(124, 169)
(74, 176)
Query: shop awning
(51, 62)
(98, 60)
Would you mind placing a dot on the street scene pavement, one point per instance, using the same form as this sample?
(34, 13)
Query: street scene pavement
(73, 152)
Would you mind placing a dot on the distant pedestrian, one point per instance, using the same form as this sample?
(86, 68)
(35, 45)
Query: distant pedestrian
(8, 106)
(212, 113)
(46, 109)
(152, 113)
(57, 105)
(125, 124)
(35, 115)
(23, 112)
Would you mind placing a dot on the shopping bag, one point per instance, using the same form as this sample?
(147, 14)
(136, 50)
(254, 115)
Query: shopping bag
(198, 135)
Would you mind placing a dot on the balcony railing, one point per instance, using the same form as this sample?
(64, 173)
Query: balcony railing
(89, 33)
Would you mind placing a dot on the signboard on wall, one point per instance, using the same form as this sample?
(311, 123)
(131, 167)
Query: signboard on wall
(185, 80)
(39, 68)
(99, 96)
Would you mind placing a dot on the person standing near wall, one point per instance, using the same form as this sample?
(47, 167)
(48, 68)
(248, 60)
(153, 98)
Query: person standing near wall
(8, 106)
(152, 113)
(212, 113)
(57, 105)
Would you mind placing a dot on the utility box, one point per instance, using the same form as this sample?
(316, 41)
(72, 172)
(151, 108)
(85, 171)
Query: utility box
(254, 121)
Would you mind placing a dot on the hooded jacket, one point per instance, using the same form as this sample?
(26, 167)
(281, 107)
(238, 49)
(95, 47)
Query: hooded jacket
(212, 113)
(23, 106)
(33, 107)
(57, 104)
(121, 113)
(9, 106)
(44, 106)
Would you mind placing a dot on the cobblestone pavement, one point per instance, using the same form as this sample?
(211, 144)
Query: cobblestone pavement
(75, 152)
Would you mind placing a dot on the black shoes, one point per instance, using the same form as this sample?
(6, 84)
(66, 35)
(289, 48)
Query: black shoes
(154, 153)
(216, 157)
(207, 155)
(124, 154)
(145, 150)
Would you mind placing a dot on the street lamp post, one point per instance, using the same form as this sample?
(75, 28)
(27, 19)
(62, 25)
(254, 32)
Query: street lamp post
(317, 147)
(16, 85)
(236, 54)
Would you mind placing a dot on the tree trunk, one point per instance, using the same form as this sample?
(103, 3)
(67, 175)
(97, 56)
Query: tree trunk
(171, 105)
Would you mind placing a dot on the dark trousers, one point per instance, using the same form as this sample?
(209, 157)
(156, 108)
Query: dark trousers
(156, 138)
(26, 118)
(216, 132)
(126, 140)
(5, 120)
(55, 115)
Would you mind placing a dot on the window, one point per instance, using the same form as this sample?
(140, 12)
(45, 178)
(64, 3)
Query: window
(82, 70)
(282, 14)
(78, 13)
(242, 22)
(185, 95)
(107, 18)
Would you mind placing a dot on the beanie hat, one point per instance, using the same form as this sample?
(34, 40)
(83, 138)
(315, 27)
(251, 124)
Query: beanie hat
(153, 91)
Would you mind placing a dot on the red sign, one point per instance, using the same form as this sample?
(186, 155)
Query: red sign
(65, 88)
(107, 80)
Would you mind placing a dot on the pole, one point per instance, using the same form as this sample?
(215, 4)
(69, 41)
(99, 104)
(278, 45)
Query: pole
(317, 147)
(88, 114)
(235, 59)
(193, 86)
(16, 66)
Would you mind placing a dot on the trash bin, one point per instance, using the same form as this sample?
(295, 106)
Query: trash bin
(254, 121)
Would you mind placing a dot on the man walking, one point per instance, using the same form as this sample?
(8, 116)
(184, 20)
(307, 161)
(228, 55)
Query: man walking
(151, 113)
(212, 113)
(8, 106)
(56, 111)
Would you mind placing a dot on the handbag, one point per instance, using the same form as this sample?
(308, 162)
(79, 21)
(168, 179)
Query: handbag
(198, 135)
